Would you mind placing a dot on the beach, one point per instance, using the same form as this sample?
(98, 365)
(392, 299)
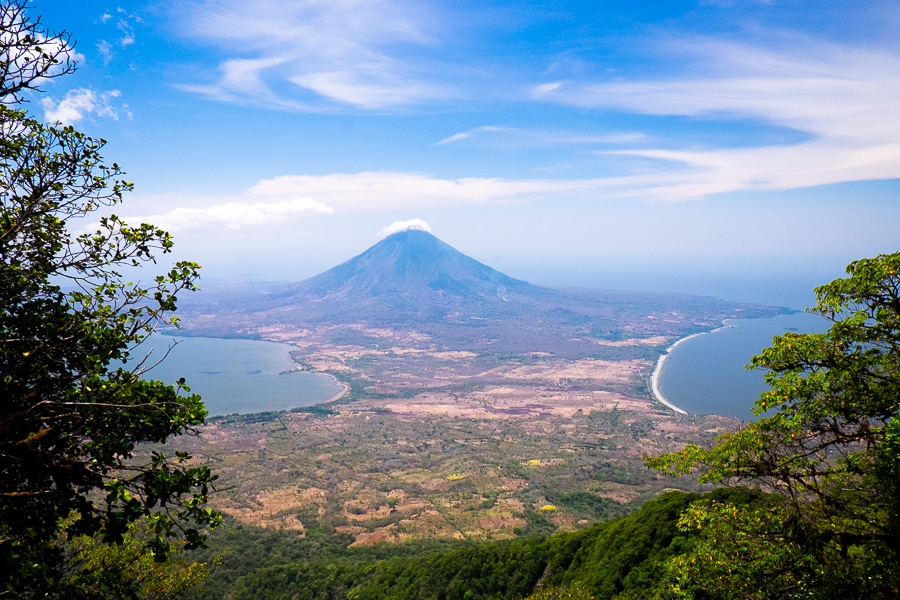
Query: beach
(654, 378)
(345, 388)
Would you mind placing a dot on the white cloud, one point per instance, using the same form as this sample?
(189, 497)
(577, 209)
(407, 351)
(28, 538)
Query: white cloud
(546, 88)
(369, 191)
(18, 48)
(455, 137)
(242, 81)
(398, 226)
(125, 23)
(375, 191)
(275, 200)
(127, 38)
(610, 138)
(79, 103)
(106, 51)
(843, 98)
(467, 134)
(531, 137)
(233, 215)
(335, 53)
(365, 90)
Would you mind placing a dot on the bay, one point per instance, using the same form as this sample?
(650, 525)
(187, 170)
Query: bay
(705, 374)
(237, 376)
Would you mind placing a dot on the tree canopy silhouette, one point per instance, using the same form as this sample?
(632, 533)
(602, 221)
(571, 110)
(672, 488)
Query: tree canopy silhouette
(74, 409)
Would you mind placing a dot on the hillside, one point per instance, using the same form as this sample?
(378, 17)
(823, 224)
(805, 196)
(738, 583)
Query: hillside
(623, 556)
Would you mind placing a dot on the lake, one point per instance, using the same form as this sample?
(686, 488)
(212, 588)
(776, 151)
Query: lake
(238, 376)
(702, 375)
(706, 375)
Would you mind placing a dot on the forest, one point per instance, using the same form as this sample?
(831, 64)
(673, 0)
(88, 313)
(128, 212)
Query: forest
(622, 558)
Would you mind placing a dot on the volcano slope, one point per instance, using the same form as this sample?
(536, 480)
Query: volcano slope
(479, 405)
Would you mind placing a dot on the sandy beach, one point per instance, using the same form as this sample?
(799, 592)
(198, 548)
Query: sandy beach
(343, 392)
(654, 378)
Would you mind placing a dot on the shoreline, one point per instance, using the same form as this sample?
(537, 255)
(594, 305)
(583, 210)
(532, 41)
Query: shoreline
(345, 389)
(657, 370)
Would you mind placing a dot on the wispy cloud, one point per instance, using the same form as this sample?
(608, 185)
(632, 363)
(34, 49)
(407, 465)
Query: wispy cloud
(106, 51)
(80, 103)
(546, 88)
(343, 53)
(125, 27)
(242, 81)
(370, 192)
(233, 215)
(455, 137)
(843, 98)
(125, 23)
(467, 134)
(376, 191)
(534, 137)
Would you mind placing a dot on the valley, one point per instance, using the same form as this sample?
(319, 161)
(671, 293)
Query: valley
(479, 407)
(531, 446)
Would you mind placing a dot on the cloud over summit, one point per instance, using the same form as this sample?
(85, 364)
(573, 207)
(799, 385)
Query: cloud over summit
(398, 226)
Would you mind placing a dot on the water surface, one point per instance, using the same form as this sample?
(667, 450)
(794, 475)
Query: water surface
(238, 376)
(706, 374)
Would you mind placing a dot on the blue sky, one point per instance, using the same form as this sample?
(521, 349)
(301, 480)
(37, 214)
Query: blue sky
(740, 148)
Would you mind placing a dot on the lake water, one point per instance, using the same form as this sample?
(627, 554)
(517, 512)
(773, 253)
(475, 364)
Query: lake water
(706, 374)
(702, 375)
(238, 376)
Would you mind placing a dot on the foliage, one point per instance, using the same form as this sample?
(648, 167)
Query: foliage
(127, 570)
(72, 419)
(561, 593)
(617, 559)
(828, 453)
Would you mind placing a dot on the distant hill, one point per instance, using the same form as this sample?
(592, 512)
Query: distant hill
(413, 280)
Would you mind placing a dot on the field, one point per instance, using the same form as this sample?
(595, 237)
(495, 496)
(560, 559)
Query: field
(450, 444)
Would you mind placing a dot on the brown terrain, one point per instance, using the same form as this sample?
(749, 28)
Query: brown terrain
(450, 444)
(477, 406)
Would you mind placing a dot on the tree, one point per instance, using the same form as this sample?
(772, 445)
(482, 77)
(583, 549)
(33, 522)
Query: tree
(74, 409)
(828, 457)
(127, 570)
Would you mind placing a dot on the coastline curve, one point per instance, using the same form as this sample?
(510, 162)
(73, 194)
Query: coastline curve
(657, 370)
(345, 389)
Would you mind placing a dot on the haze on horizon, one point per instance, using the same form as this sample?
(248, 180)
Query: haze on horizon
(740, 148)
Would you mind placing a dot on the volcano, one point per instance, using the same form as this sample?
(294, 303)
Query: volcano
(416, 266)
(410, 276)
(412, 281)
